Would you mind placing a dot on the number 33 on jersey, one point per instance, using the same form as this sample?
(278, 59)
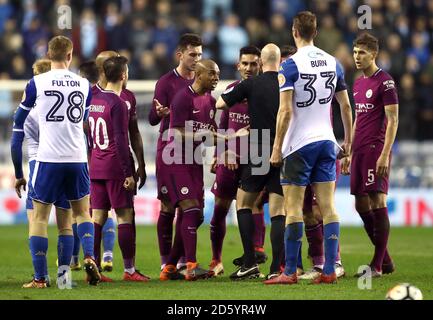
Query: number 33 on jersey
(314, 76)
(61, 99)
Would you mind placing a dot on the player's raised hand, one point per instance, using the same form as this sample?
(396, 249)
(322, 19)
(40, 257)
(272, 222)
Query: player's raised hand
(129, 183)
(345, 165)
(161, 111)
(230, 160)
(243, 132)
(18, 184)
(141, 173)
(382, 165)
(276, 158)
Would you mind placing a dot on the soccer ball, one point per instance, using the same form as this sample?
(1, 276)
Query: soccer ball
(404, 291)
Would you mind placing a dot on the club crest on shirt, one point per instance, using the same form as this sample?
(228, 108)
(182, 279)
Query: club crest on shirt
(164, 190)
(211, 114)
(369, 93)
(281, 79)
(389, 84)
(184, 190)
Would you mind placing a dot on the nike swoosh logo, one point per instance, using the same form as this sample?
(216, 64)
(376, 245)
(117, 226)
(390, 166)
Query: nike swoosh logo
(240, 273)
(369, 183)
(195, 111)
(355, 93)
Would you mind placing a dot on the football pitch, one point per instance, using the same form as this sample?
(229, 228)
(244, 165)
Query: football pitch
(411, 249)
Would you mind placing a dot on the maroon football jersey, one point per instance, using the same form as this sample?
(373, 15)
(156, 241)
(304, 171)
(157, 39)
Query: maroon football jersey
(108, 119)
(371, 95)
(165, 90)
(193, 112)
(235, 118)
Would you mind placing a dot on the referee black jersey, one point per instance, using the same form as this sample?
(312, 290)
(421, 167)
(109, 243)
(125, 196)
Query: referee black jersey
(263, 95)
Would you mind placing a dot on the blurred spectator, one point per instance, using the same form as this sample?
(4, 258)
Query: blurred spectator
(216, 9)
(280, 33)
(328, 36)
(116, 28)
(258, 32)
(18, 69)
(164, 34)
(89, 36)
(6, 11)
(232, 38)
(408, 107)
(146, 67)
(7, 107)
(36, 34)
(30, 12)
(288, 8)
(209, 38)
(425, 107)
(419, 48)
(398, 57)
(139, 36)
(142, 10)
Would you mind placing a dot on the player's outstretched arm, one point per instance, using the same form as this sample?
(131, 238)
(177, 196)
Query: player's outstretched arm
(346, 117)
(283, 119)
(221, 104)
(391, 113)
(137, 147)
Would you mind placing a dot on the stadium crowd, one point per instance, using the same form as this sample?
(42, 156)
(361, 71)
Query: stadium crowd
(146, 31)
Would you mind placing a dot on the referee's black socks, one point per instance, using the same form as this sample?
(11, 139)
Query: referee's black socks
(246, 230)
(277, 242)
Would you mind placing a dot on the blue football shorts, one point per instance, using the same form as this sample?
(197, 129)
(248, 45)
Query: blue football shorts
(52, 181)
(313, 163)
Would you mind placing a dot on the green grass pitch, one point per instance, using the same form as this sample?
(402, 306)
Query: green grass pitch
(411, 249)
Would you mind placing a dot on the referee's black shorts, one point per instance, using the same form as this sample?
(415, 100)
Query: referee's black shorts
(251, 182)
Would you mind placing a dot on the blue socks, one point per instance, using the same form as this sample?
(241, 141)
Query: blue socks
(65, 245)
(292, 244)
(108, 238)
(86, 232)
(38, 249)
(331, 238)
(76, 249)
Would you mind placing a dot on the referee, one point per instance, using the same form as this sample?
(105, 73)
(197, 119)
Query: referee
(262, 94)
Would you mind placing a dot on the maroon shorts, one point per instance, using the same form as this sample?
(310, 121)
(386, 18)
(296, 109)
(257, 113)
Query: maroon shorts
(162, 179)
(107, 194)
(310, 197)
(363, 178)
(184, 182)
(226, 183)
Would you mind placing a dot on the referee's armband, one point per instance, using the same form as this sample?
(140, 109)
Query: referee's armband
(288, 75)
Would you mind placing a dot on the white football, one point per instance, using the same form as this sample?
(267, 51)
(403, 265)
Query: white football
(404, 291)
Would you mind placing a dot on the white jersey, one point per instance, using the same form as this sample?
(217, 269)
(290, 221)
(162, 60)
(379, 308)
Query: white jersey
(314, 76)
(31, 133)
(61, 99)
